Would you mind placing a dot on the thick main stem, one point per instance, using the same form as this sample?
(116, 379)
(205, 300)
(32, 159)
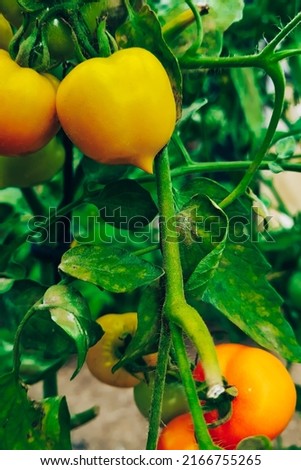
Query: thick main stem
(176, 309)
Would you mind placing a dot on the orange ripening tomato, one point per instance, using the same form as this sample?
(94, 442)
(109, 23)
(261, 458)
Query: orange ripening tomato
(28, 118)
(266, 398)
(178, 434)
(118, 109)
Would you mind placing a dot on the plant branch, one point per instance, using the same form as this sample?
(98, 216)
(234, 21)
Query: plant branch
(201, 430)
(276, 73)
(33, 201)
(217, 167)
(158, 390)
(269, 48)
(16, 350)
(176, 309)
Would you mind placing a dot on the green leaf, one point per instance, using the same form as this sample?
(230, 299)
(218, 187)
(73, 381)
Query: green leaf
(28, 425)
(126, 204)
(17, 300)
(275, 167)
(113, 269)
(239, 288)
(285, 148)
(40, 351)
(145, 339)
(70, 311)
(5, 284)
(143, 29)
(222, 14)
(242, 293)
(189, 111)
(101, 173)
(56, 421)
(204, 229)
(250, 100)
(220, 17)
(34, 6)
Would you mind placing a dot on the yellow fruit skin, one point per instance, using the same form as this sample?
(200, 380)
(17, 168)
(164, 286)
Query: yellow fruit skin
(28, 118)
(104, 354)
(120, 109)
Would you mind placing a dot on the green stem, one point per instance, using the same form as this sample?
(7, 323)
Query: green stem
(199, 27)
(67, 172)
(158, 389)
(223, 167)
(176, 25)
(84, 417)
(178, 141)
(276, 73)
(148, 249)
(16, 350)
(50, 387)
(175, 306)
(217, 167)
(33, 201)
(269, 48)
(286, 54)
(200, 62)
(201, 430)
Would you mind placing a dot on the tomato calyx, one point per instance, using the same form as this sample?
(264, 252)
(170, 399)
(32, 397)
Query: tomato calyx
(217, 410)
(68, 31)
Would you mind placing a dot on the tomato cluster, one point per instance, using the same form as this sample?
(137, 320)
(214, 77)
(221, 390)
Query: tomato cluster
(114, 97)
(264, 405)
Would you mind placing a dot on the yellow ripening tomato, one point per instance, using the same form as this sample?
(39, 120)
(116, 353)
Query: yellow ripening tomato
(109, 349)
(119, 109)
(28, 118)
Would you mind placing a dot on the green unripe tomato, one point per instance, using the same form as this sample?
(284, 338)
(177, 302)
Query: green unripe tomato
(59, 40)
(12, 11)
(294, 289)
(174, 399)
(29, 170)
(59, 33)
